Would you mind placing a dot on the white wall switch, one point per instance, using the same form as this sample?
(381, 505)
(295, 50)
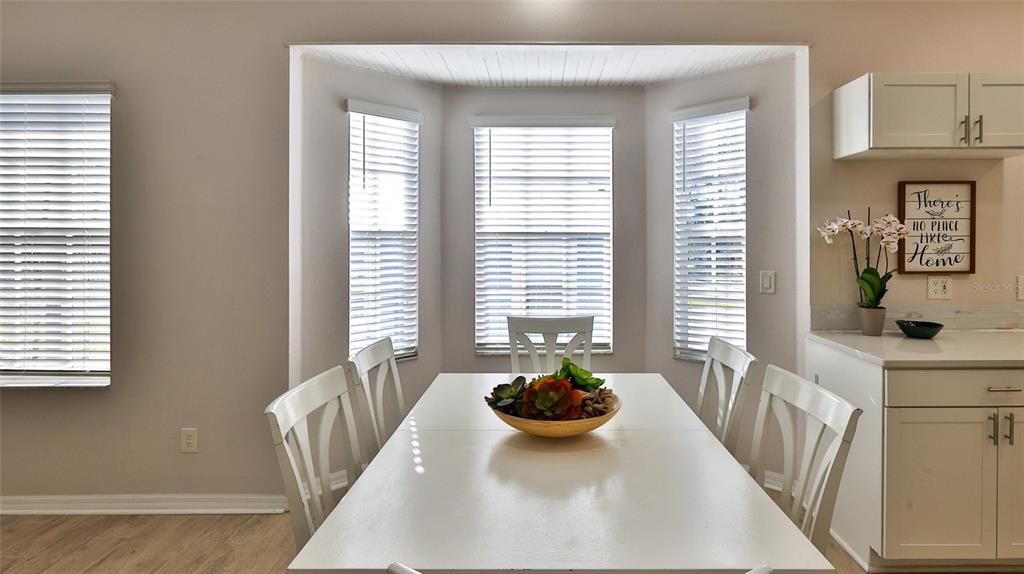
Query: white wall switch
(189, 439)
(940, 287)
(767, 284)
(1020, 287)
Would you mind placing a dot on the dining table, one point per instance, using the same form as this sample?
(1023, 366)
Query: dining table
(454, 489)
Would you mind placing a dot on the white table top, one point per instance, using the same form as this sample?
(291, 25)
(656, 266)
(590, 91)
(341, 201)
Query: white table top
(613, 501)
(453, 403)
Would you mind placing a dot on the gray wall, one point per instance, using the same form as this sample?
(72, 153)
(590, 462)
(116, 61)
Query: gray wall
(323, 249)
(200, 190)
(772, 198)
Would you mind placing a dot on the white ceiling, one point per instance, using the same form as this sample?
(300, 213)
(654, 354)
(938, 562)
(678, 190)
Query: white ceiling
(518, 65)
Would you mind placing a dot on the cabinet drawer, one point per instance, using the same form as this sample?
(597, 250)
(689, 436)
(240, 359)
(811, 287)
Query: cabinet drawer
(954, 388)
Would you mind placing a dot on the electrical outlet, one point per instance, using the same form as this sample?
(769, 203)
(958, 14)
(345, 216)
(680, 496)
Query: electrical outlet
(940, 287)
(1020, 287)
(767, 282)
(189, 439)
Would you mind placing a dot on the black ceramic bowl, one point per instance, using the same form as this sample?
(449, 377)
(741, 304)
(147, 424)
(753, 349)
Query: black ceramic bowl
(919, 329)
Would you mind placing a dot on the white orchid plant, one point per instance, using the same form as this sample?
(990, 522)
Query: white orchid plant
(889, 230)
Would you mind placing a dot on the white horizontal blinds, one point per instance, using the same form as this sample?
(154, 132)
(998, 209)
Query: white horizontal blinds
(710, 188)
(54, 233)
(383, 222)
(543, 228)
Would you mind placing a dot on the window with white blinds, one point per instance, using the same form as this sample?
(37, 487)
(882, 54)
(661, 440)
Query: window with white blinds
(54, 234)
(543, 228)
(383, 195)
(709, 190)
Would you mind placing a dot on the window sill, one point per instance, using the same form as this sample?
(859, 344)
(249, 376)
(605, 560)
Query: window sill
(505, 353)
(54, 382)
(690, 356)
(406, 357)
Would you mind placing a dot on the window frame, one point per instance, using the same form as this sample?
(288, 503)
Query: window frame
(80, 378)
(703, 112)
(551, 121)
(353, 106)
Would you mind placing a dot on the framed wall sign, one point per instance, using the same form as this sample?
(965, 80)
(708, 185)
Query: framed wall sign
(940, 218)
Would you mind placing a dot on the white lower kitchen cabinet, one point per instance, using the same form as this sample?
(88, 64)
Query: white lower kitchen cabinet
(935, 476)
(941, 482)
(1011, 485)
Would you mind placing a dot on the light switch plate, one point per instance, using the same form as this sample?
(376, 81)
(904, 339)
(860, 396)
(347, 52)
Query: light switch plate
(940, 287)
(767, 284)
(1020, 287)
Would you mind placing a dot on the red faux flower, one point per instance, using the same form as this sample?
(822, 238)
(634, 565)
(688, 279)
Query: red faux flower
(552, 399)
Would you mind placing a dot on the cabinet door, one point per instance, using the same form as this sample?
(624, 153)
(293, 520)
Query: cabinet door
(997, 110)
(1011, 484)
(940, 483)
(919, 110)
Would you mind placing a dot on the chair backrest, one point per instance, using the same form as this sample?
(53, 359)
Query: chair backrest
(305, 464)
(817, 429)
(519, 329)
(379, 356)
(730, 387)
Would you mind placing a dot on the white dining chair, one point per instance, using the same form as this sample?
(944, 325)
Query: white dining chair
(817, 430)
(728, 365)
(399, 568)
(376, 368)
(305, 461)
(520, 328)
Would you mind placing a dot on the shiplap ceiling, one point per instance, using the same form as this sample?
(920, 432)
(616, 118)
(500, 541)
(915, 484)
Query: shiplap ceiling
(518, 65)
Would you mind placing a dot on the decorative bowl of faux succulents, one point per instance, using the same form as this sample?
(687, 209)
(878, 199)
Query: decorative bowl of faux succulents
(569, 402)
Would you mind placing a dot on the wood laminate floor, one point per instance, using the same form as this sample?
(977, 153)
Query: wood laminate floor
(176, 544)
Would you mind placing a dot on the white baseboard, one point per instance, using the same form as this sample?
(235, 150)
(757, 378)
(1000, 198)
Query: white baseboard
(144, 504)
(773, 481)
(849, 550)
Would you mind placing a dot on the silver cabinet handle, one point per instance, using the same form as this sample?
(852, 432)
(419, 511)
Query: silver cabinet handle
(981, 129)
(967, 129)
(1012, 431)
(995, 429)
(1006, 389)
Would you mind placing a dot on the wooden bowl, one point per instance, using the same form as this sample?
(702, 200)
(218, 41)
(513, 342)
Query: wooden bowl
(559, 429)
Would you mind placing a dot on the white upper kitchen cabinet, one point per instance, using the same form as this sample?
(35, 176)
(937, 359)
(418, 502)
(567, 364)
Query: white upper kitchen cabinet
(997, 110)
(923, 115)
(919, 110)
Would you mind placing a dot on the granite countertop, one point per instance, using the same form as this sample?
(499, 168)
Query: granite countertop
(949, 349)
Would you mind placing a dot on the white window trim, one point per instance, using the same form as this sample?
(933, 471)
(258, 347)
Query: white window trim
(543, 122)
(554, 121)
(410, 116)
(58, 88)
(372, 109)
(64, 381)
(681, 115)
(710, 109)
(57, 379)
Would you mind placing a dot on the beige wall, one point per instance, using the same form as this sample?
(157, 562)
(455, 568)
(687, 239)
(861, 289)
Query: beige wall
(200, 188)
(626, 105)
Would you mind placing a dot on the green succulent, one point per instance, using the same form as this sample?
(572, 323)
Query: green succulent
(508, 397)
(579, 377)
